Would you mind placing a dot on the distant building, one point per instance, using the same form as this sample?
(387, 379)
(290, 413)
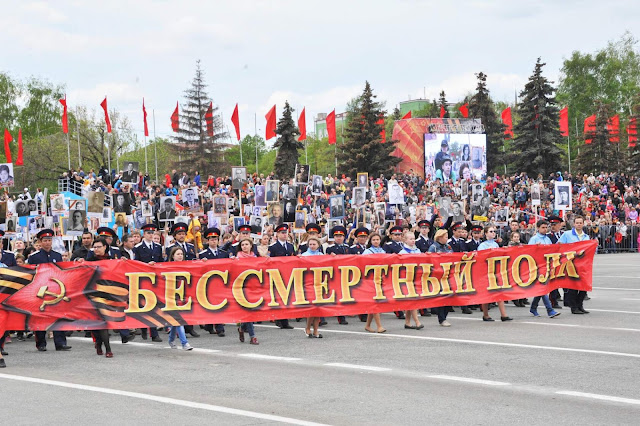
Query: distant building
(321, 124)
(413, 106)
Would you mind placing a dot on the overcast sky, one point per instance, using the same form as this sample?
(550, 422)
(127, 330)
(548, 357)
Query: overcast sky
(314, 54)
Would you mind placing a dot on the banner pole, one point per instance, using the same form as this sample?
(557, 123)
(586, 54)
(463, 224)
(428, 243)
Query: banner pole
(69, 149)
(155, 142)
(78, 132)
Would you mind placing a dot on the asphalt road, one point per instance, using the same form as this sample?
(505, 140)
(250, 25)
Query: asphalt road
(568, 370)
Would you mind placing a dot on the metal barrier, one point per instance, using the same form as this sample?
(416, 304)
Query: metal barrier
(77, 188)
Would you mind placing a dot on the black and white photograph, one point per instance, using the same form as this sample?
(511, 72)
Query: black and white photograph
(289, 192)
(445, 209)
(130, 173)
(477, 192)
(331, 223)
(289, 210)
(300, 221)
(257, 211)
(220, 205)
(6, 175)
(501, 216)
(76, 222)
(107, 214)
(336, 206)
(58, 206)
(359, 196)
(213, 221)
(167, 209)
(256, 222)
(190, 200)
(32, 206)
(302, 173)
(10, 224)
(237, 222)
(316, 187)
(95, 201)
(122, 203)
(239, 175)
(457, 211)
(363, 179)
(22, 208)
(430, 211)
(480, 211)
(273, 191)
(146, 208)
(80, 204)
(261, 197)
(464, 189)
(275, 214)
(562, 195)
(396, 194)
(535, 194)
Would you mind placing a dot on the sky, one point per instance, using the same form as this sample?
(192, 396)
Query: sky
(316, 55)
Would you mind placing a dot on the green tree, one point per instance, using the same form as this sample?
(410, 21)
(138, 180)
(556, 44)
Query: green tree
(162, 147)
(10, 91)
(250, 146)
(537, 135)
(194, 147)
(600, 155)
(429, 110)
(443, 104)
(634, 152)
(362, 150)
(42, 110)
(287, 145)
(481, 106)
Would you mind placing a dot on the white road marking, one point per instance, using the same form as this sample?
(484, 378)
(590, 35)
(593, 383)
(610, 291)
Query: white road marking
(616, 276)
(600, 397)
(555, 323)
(617, 312)
(470, 380)
(161, 399)
(616, 288)
(356, 366)
(209, 351)
(477, 342)
(270, 357)
(628, 298)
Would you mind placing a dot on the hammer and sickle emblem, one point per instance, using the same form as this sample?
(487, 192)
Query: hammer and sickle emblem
(57, 298)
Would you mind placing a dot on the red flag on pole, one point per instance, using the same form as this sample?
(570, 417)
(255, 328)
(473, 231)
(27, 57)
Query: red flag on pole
(209, 119)
(613, 125)
(19, 161)
(270, 131)
(589, 128)
(564, 121)
(7, 150)
(302, 126)
(464, 110)
(506, 119)
(144, 115)
(103, 104)
(383, 132)
(407, 116)
(65, 120)
(632, 131)
(236, 121)
(442, 111)
(331, 127)
(175, 119)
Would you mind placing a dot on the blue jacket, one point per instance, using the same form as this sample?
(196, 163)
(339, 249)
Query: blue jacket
(572, 237)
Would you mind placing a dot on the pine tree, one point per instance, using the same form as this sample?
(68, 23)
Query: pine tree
(536, 145)
(435, 109)
(287, 145)
(396, 114)
(362, 150)
(194, 148)
(600, 155)
(443, 104)
(481, 106)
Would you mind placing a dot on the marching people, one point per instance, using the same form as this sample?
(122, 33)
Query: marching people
(212, 238)
(409, 247)
(246, 251)
(101, 337)
(440, 245)
(313, 250)
(375, 247)
(147, 251)
(279, 248)
(338, 248)
(542, 238)
(575, 298)
(179, 232)
(177, 254)
(490, 243)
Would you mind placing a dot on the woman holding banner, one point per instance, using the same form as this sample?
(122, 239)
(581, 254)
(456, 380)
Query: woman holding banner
(177, 255)
(101, 337)
(375, 242)
(313, 249)
(490, 243)
(440, 245)
(409, 247)
(246, 250)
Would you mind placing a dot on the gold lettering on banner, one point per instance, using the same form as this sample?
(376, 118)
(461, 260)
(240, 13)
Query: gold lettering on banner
(296, 280)
(568, 266)
(238, 288)
(202, 286)
(493, 276)
(346, 283)
(430, 285)
(464, 283)
(444, 280)
(396, 281)
(171, 290)
(532, 267)
(378, 271)
(321, 284)
(135, 293)
(552, 261)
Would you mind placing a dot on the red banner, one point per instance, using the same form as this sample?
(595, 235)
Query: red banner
(128, 294)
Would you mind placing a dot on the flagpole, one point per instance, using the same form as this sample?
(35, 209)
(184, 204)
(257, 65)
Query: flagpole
(569, 151)
(146, 171)
(78, 132)
(69, 149)
(106, 134)
(255, 129)
(155, 142)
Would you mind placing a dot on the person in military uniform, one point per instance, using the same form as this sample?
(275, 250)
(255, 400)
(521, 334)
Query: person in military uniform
(151, 253)
(244, 231)
(179, 232)
(111, 237)
(456, 241)
(47, 255)
(338, 248)
(282, 247)
(423, 242)
(212, 236)
(554, 236)
(476, 238)
(362, 235)
(395, 245)
(313, 230)
(8, 258)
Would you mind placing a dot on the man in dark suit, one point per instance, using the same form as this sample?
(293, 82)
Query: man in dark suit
(47, 255)
(280, 248)
(212, 236)
(179, 232)
(555, 234)
(149, 252)
(360, 245)
(168, 212)
(395, 245)
(338, 247)
(456, 241)
(423, 242)
(130, 175)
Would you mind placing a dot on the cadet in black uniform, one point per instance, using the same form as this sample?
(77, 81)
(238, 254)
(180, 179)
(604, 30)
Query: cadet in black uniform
(456, 241)
(423, 242)
(281, 247)
(554, 236)
(8, 258)
(394, 247)
(149, 252)
(313, 230)
(244, 231)
(362, 235)
(179, 232)
(111, 237)
(212, 236)
(476, 238)
(338, 247)
(47, 255)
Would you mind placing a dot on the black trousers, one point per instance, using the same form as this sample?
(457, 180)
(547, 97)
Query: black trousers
(575, 298)
(102, 337)
(59, 339)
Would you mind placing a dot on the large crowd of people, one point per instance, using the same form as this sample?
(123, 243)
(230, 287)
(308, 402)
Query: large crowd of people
(188, 217)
